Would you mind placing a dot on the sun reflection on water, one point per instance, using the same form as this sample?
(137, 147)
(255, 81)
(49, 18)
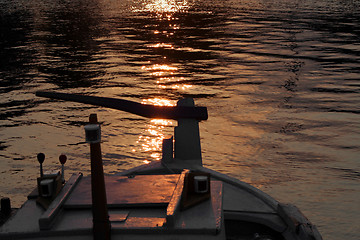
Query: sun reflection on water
(159, 67)
(163, 6)
(158, 102)
(161, 45)
(151, 139)
(163, 71)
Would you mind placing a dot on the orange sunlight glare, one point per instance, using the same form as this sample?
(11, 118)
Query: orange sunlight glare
(151, 139)
(164, 6)
(158, 102)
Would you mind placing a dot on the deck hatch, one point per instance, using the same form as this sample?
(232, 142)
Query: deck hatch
(121, 191)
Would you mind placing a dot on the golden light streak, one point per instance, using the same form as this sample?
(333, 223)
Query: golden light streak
(179, 87)
(161, 122)
(151, 140)
(159, 70)
(161, 45)
(158, 102)
(163, 6)
(146, 161)
(157, 67)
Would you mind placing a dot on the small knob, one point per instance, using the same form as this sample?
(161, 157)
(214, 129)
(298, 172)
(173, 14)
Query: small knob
(41, 157)
(62, 158)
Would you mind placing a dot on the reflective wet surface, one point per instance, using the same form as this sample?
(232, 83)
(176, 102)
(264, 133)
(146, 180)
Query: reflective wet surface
(280, 80)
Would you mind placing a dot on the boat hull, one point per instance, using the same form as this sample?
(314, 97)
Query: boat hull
(138, 202)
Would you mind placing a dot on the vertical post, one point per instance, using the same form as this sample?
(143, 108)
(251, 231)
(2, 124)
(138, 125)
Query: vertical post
(62, 159)
(101, 223)
(167, 150)
(187, 137)
(5, 206)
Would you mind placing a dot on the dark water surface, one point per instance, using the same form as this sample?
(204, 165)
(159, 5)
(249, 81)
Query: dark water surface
(280, 80)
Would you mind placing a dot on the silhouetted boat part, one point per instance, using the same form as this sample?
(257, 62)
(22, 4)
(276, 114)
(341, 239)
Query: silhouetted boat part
(175, 198)
(144, 110)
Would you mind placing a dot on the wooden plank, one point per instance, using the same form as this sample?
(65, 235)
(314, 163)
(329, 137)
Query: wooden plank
(174, 204)
(48, 217)
(203, 218)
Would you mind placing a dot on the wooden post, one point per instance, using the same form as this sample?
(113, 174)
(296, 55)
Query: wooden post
(101, 223)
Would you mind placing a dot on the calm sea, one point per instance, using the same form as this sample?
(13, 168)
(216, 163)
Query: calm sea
(280, 78)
